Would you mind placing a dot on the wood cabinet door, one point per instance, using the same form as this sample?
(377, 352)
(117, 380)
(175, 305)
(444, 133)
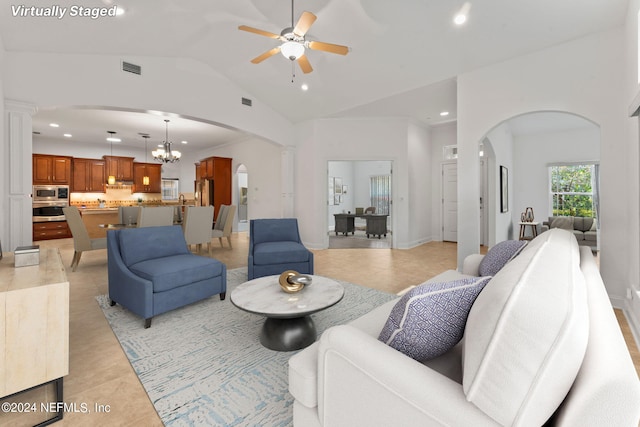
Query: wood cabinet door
(125, 169)
(155, 178)
(61, 170)
(97, 177)
(41, 169)
(222, 182)
(80, 175)
(139, 170)
(210, 168)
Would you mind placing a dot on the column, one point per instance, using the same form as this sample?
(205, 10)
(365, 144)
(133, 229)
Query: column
(287, 167)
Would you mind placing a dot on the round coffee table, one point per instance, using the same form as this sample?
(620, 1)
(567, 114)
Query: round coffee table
(288, 325)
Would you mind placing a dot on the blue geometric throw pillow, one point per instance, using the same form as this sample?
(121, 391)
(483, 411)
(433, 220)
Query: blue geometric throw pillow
(499, 255)
(429, 320)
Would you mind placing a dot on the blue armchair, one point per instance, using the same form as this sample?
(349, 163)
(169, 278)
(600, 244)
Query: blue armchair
(275, 246)
(152, 271)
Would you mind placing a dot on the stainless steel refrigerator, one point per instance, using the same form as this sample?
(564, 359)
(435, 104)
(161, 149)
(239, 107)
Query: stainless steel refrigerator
(203, 192)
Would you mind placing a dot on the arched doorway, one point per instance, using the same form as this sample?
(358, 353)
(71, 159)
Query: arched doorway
(527, 148)
(242, 176)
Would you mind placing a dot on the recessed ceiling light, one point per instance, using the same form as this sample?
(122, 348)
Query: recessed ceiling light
(444, 113)
(304, 87)
(119, 11)
(160, 145)
(462, 15)
(54, 125)
(185, 142)
(68, 135)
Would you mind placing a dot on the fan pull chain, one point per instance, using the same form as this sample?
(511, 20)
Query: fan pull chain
(293, 71)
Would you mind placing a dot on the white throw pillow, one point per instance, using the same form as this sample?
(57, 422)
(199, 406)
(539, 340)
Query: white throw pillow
(527, 333)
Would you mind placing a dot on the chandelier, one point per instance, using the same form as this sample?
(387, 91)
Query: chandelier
(166, 154)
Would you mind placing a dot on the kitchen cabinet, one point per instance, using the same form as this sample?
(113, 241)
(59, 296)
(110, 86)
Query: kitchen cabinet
(153, 171)
(49, 169)
(88, 175)
(215, 181)
(51, 230)
(120, 167)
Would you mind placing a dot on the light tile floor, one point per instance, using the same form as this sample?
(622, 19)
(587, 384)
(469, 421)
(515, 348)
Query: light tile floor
(100, 373)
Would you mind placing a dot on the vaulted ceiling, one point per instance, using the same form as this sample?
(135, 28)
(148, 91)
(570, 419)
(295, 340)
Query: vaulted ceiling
(404, 57)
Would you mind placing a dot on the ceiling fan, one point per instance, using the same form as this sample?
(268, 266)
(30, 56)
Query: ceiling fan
(293, 42)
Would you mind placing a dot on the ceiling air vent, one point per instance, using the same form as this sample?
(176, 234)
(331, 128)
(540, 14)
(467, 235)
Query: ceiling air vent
(246, 101)
(131, 68)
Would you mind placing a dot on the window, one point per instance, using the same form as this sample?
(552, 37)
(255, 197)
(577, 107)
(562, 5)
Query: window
(573, 190)
(380, 190)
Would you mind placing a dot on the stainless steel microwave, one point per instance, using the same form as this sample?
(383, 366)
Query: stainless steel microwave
(51, 193)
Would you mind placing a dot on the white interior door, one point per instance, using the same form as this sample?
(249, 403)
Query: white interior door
(484, 218)
(450, 202)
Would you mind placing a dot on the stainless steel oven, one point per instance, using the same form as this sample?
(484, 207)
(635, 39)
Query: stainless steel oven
(51, 193)
(48, 211)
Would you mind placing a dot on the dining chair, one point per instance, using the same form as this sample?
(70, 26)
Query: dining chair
(128, 214)
(156, 216)
(196, 226)
(81, 240)
(224, 224)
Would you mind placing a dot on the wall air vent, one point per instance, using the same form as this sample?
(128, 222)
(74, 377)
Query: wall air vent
(131, 68)
(246, 101)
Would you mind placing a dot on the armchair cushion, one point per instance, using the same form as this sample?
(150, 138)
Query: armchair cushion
(171, 272)
(277, 252)
(499, 255)
(429, 320)
(151, 242)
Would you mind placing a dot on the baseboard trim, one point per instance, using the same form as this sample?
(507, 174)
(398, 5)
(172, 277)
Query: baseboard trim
(634, 322)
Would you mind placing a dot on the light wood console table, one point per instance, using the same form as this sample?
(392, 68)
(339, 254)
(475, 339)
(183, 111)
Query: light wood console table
(34, 325)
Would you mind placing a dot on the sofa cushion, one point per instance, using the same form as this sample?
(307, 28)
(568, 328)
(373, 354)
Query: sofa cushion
(563, 222)
(499, 255)
(526, 333)
(591, 236)
(177, 270)
(140, 244)
(275, 230)
(279, 252)
(429, 320)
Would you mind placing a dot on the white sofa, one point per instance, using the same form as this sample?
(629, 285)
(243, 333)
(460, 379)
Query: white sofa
(541, 345)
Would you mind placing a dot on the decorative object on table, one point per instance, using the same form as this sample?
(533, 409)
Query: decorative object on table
(528, 215)
(291, 281)
(27, 255)
(504, 189)
(101, 203)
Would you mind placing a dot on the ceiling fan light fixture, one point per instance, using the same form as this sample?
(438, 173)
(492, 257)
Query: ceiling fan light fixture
(292, 50)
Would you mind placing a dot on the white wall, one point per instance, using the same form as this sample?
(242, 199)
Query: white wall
(345, 170)
(350, 139)
(583, 77)
(181, 86)
(262, 160)
(440, 136)
(532, 155)
(420, 186)
(4, 165)
(501, 142)
(632, 140)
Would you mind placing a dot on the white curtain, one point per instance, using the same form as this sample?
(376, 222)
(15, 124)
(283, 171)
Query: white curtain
(381, 193)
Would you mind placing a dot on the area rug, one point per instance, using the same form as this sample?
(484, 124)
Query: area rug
(204, 365)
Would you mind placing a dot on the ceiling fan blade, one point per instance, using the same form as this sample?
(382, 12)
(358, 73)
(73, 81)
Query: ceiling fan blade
(304, 23)
(260, 32)
(304, 64)
(328, 47)
(267, 54)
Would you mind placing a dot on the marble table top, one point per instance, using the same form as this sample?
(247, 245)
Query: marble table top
(264, 296)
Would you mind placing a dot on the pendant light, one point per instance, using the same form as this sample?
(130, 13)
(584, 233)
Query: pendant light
(145, 178)
(111, 180)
